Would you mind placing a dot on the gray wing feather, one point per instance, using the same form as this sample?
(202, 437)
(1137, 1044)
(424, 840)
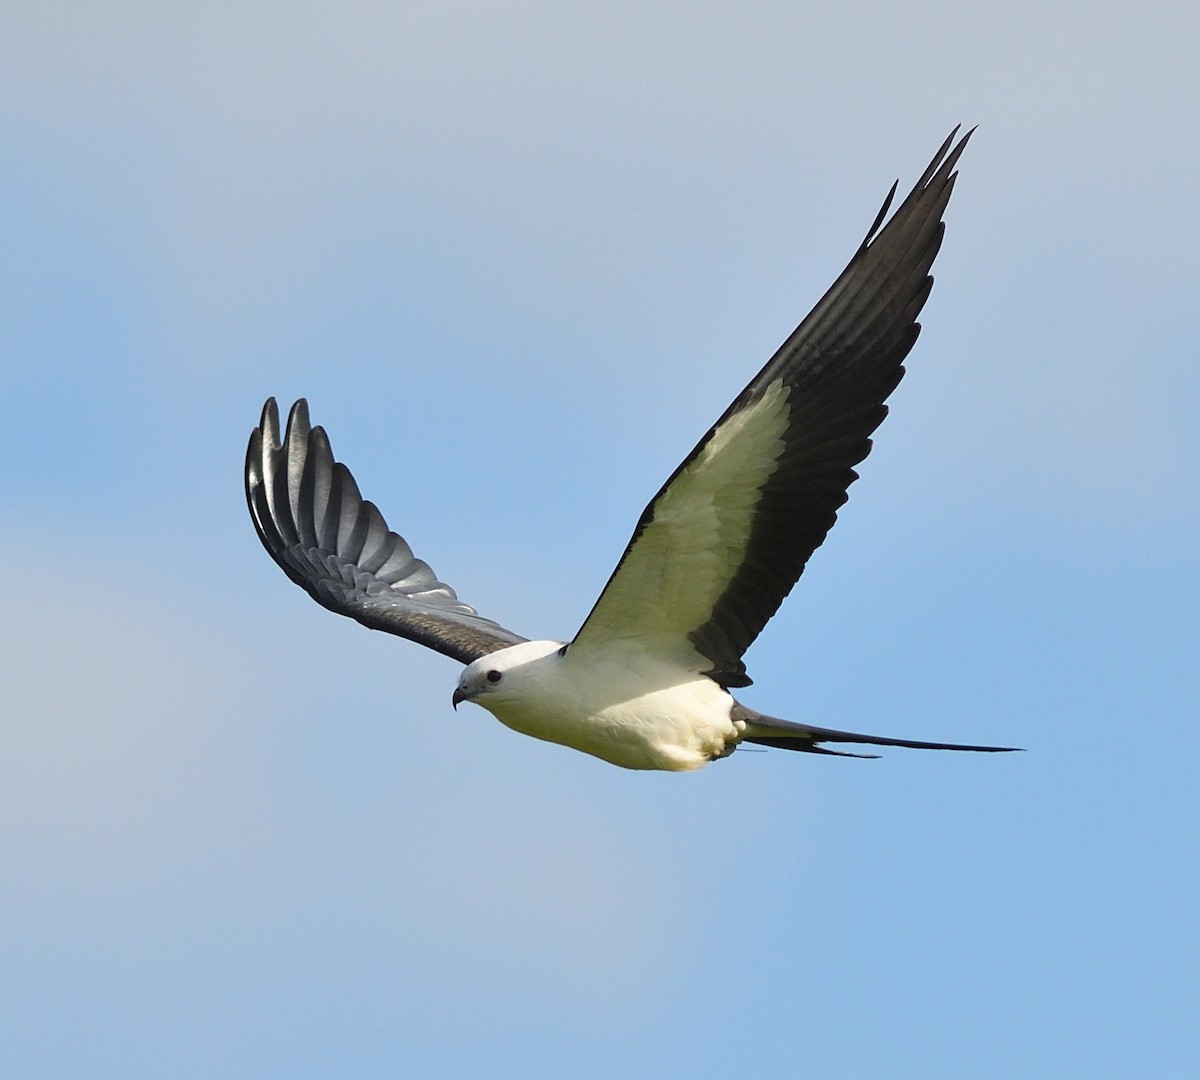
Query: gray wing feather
(337, 546)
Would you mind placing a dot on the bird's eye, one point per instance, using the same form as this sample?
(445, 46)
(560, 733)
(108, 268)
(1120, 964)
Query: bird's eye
(494, 676)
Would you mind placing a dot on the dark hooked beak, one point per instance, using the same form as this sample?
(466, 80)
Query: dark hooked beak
(458, 696)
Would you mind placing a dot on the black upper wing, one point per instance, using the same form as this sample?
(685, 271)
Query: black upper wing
(726, 538)
(337, 547)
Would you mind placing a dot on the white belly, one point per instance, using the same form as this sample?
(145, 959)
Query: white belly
(629, 710)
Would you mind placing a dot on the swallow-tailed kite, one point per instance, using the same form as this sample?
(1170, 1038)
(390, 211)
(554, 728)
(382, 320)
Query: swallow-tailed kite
(645, 682)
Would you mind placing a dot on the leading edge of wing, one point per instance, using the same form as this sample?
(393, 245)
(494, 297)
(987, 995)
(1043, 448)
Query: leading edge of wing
(336, 546)
(728, 535)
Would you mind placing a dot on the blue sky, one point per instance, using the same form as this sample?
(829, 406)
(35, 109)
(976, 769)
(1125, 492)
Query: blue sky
(519, 260)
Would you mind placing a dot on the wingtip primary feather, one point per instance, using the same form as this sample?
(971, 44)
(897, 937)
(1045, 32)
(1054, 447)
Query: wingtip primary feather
(944, 160)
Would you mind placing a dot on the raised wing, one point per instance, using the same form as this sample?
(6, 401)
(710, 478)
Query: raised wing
(336, 546)
(728, 535)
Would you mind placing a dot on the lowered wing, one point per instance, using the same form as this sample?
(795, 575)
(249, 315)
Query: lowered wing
(336, 546)
(728, 535)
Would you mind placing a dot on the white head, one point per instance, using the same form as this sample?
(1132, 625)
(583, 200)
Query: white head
(498, 677)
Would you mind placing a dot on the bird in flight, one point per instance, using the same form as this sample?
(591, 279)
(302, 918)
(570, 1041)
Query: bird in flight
(645, 683)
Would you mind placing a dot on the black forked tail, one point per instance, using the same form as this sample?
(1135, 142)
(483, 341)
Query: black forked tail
(788, 735)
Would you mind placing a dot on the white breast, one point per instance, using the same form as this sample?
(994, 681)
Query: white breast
(622, 705)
